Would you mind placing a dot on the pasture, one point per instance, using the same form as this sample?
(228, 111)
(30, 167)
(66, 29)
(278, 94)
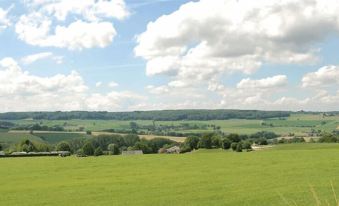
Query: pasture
(284, 175)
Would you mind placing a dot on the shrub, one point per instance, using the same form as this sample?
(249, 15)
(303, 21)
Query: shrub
(98, 152)
(63, 146)
(239, 147)
(113, 149)
(205, 141)
(246, 145)
(216, 141)
(225, 144)
(234, 137)
(234, 146)
(89, 132)
(185, 148)
(192, 142)
(144, 146)
(88, 149)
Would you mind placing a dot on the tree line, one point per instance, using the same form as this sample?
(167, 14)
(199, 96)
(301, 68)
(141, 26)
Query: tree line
(164, 115)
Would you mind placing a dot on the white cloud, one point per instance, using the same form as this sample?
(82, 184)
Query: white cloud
(113, 84)
(325, 76)
(40, 56)
(92, 27)
(195, 43)
(21, 91)
(98, 84)
(91, 10)
(4, 19)
(266, 83)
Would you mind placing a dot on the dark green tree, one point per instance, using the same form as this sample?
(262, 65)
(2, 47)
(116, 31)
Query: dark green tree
(113, 149)
(88, 149)
(63, 146)
(225, 143)
(192, 142)
(98, 152)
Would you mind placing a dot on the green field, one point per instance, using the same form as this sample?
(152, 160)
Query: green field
(213, 177)
(300, 124)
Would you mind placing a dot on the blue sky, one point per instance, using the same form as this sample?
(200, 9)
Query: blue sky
(120, 55)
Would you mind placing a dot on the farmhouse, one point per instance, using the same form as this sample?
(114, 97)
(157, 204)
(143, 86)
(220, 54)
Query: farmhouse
(2, 153)
(132, 152)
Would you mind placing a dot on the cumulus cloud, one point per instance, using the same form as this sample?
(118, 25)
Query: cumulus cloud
(195, 43)
(267, 83)
(325, 76)
(4, 19)
(45, 26)
(21, 91)
(40, 56)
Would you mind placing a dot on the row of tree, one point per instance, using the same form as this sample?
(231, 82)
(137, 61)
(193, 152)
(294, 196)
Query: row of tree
(171, 115)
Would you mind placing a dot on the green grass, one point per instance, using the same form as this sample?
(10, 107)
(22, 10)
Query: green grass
(299, 124)
(10, 138)
(211, 177)
(56, 137)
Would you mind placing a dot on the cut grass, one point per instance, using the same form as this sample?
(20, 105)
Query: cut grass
(212, 177)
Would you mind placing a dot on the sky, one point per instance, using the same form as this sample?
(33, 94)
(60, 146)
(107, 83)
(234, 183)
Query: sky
(128, 55)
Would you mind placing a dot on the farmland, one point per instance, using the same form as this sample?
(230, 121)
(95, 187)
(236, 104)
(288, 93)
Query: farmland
(206, 177)
(297, 124)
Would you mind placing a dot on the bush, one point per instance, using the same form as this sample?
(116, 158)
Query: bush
(98, 152)
(234, 137)
(234, 146)
(88, 149)
(247, 146)
(63, 146)
(185, 148)
(216, 141)
(225, 144)
(113, 149)
(80, 153)
(205, 141)
(192, 142)
(89, 132)
(239, 147)
(144, 146)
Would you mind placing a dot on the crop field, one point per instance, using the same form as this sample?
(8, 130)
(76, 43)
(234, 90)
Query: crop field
(294, 174)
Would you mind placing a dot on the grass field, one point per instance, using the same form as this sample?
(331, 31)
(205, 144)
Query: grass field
(299, 124)
(213, 177)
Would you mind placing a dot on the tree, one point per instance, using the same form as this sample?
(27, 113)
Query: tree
(234, 146)
(0, 147)
(98, 152)
(27, 146)
(192, 142)
(247, 146)
(239, 147)
(88, 149)
(113, 149)
(225, 144)
(216, 141)
(185, 148)
(143, 145)
(131, 139)
(63, 146)
(234, 137)
(205, 141)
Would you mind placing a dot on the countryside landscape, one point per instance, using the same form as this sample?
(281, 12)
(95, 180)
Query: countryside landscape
(169, 103)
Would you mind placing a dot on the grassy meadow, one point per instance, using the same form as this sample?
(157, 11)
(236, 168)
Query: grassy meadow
(284, 175)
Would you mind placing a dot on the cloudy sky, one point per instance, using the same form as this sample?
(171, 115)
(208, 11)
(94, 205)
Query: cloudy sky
(123, 55)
